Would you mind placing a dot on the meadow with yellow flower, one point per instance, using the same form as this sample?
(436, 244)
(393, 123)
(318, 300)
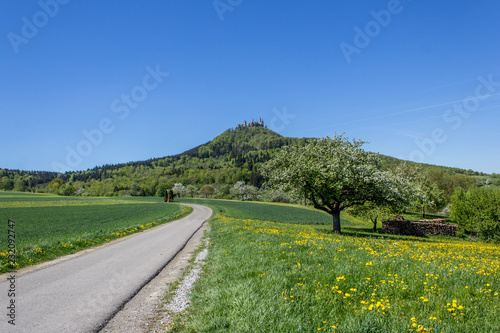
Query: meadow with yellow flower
(263, 275)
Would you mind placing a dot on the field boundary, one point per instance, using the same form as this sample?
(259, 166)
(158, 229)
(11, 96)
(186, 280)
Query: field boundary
(51, 262)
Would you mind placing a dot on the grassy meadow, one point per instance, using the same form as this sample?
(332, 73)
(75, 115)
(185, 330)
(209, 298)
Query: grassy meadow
(274, 268)
(49, 226)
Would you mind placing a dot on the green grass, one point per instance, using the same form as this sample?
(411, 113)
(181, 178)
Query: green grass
(51, 226)
(274, 212)
(264, 275)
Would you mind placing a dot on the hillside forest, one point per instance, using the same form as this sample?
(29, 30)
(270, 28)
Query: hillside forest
(227, 167)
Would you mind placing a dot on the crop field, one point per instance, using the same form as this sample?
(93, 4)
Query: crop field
(49, 226)
(275, 212)
(267, 276)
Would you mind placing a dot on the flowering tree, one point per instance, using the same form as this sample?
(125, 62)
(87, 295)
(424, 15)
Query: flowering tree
(245, 192)
(191, 189)
(179, 189)
(334, 174)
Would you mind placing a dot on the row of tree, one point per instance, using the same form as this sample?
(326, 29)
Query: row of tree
(331, 174)
(234, 156)
(240, 191)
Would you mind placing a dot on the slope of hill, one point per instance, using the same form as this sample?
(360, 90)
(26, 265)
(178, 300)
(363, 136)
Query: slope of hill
(232, 156)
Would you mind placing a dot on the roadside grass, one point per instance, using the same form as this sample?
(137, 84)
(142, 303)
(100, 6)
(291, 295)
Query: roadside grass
(269, 276)
(173, 286)
(51, 226)
(167, 315)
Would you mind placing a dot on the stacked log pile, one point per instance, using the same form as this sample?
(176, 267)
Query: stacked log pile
(420, 228)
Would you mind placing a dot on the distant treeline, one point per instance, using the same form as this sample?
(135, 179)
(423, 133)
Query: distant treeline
(234, 156)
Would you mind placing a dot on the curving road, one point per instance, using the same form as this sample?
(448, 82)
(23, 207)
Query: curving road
(83, 293)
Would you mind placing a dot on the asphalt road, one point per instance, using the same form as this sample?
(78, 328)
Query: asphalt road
(81, 294)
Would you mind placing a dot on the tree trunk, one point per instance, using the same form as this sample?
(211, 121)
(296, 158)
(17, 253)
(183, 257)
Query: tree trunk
(423, 212)
(374, 225)
(336, 222)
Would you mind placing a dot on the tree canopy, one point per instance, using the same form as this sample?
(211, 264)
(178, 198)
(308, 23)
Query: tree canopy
(373, 212)
(207, 190)
(478, 211)
(334, 174)
(234, 155)
(425, 192)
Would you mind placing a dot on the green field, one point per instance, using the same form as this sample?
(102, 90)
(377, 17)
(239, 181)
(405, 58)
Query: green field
(277, 269)
(49, 226)
(275, 212)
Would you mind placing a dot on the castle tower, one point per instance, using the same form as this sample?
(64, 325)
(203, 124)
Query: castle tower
(244, 123)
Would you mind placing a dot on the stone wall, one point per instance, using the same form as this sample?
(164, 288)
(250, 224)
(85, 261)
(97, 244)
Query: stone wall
(420, 228)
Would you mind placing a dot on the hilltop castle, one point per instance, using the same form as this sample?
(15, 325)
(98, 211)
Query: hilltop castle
(259, 123)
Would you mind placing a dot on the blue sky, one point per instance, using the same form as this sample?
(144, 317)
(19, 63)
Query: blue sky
(86, 83)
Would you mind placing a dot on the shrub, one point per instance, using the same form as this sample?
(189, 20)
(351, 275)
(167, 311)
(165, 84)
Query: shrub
(66, 190)
(278, 196)
(89, 193)
(245, 192)
(477, 211)
(207, 190)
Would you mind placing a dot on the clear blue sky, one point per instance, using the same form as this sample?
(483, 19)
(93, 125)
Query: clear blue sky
(417, 79)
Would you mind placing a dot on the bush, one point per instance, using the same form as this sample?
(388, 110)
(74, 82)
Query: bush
(89, 193)
(278, 196)
(477, 211)
(245, 192)
(66, 190)
(207, 190)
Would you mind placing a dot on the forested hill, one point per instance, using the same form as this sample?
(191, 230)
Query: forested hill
(240, 142)
(232, 156)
